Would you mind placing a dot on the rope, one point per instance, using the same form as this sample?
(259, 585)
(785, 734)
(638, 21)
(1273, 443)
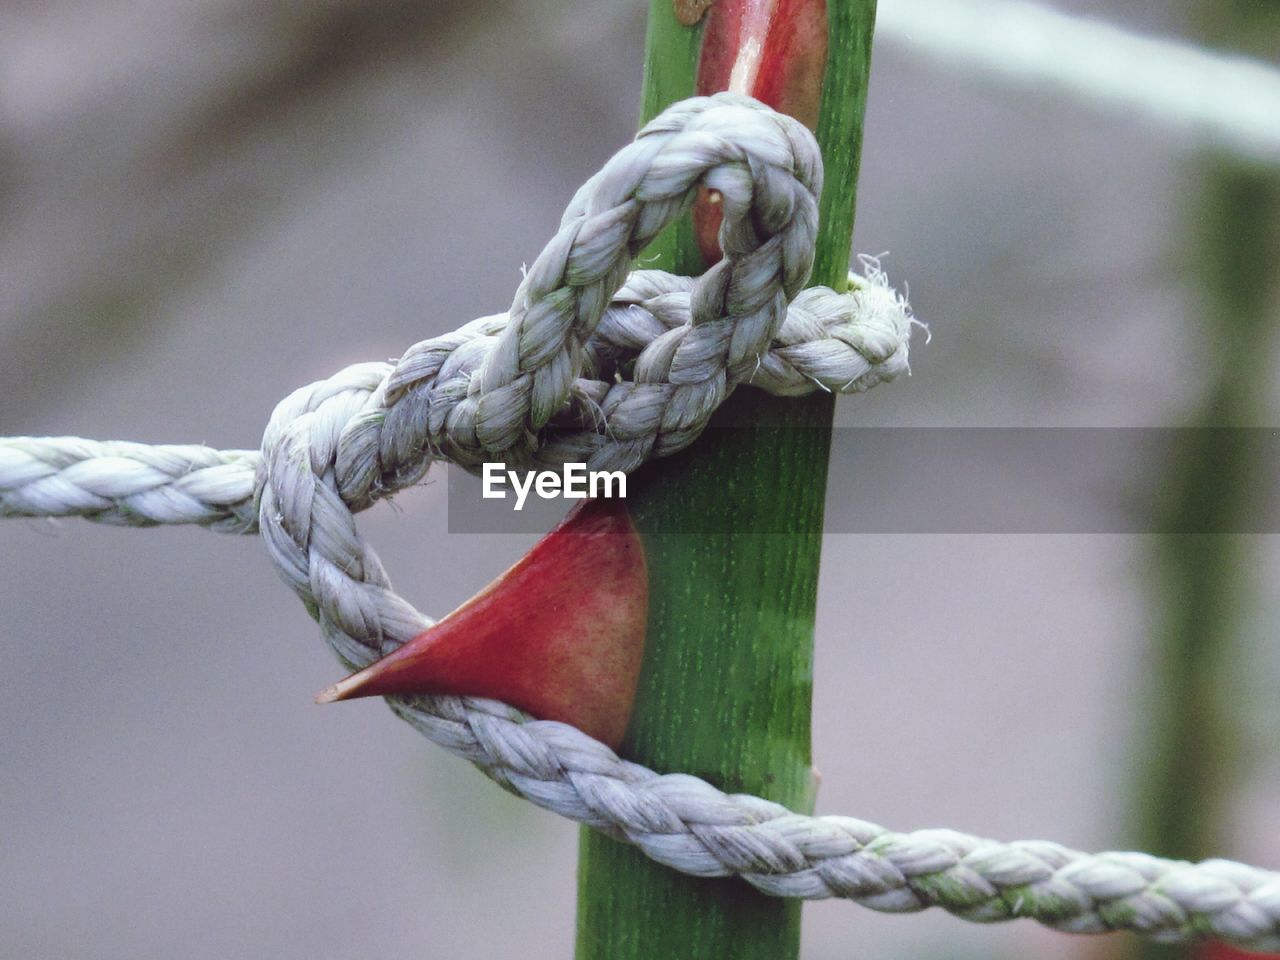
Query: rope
(543, 384)
(843, 343)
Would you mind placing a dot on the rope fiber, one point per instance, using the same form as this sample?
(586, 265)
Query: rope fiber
(542, 385)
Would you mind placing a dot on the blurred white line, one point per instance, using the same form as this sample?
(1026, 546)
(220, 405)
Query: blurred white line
(1229, 102)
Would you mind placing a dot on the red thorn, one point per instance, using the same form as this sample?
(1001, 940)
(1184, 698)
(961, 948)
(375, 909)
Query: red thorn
(560, 634)
(773, 50)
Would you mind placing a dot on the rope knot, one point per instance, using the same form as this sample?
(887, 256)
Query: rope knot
(593, 365)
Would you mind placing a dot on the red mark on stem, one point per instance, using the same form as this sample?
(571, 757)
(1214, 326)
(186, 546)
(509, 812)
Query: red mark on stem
(560, 634)
(773, 50)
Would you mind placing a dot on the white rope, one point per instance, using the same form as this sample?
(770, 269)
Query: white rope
(531, 385)
(1208, 98)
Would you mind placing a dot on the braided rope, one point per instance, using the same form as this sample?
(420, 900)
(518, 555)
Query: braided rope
(542, 384)
(844, 343)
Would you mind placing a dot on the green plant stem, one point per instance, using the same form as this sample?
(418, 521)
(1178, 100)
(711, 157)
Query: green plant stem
(1203, 581)
(726, 688)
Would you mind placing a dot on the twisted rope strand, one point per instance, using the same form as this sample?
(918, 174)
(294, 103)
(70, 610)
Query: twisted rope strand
(691, 826)
(128, 484)
(842, 343)
(543, 384)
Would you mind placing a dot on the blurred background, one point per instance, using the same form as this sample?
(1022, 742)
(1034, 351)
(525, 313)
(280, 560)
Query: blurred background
(204, 205)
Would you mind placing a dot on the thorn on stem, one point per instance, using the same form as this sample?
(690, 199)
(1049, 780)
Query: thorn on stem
(560, 634)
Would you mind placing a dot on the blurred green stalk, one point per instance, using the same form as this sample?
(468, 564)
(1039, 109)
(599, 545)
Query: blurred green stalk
(1203, 580)
(727, 682)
